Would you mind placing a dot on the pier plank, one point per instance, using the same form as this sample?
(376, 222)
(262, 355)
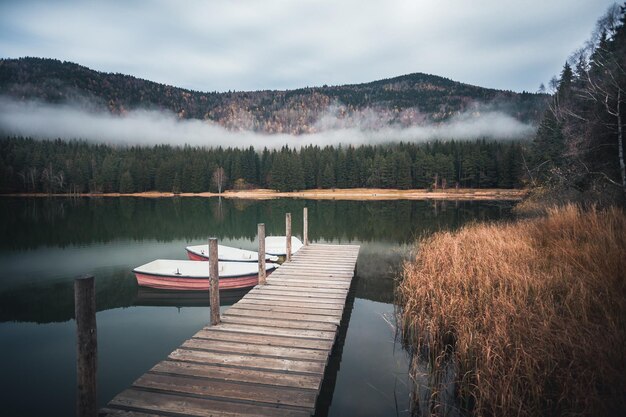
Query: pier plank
(295, 282)
(317, 275)
(331, 308)
(230, 390)
(231, 374)
(251, 349)
(304, 301)
(265, 339)
(342, 290)
(284, 316)
(269, 307)
(278, 331)
(285, 324)
(307, 294)
(200, 407)
(248, 361)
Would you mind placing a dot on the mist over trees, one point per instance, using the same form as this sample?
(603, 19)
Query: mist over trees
(60, 166)
(579, 146)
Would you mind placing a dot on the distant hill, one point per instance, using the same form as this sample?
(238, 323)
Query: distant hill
(405, 100)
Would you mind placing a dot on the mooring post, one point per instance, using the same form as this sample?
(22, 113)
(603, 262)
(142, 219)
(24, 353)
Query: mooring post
(305, 226)
(261, 233)
(87, 346)
(214, 282)
(288, 233)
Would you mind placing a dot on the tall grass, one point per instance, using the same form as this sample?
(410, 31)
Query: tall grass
(532, 313)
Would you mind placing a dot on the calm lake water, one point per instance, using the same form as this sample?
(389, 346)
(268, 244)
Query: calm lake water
(45, 243)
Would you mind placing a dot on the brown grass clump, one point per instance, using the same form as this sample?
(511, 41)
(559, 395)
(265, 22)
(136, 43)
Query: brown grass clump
(532, 314)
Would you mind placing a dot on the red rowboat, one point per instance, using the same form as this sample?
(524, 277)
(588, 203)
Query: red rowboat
(191, 275)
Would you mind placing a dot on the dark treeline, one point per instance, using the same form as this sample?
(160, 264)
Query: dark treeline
(579, 147)
(60, 166)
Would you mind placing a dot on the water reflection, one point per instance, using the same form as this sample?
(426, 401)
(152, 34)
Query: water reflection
(33, 223)
(45, 243)
(154, 297)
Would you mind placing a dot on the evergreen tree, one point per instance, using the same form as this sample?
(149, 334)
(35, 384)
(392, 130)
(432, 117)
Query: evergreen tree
(126, 183)
(328, 177)
(403, 171)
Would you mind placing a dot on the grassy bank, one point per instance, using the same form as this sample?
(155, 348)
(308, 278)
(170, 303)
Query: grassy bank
(531, 313)
(359, 194)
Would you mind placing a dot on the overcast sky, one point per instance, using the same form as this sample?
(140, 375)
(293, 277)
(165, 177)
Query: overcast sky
(272, 44)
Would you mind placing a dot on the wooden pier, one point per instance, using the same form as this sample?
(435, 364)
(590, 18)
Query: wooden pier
(267, 356)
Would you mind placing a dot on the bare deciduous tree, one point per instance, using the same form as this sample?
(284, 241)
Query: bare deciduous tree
(608, 92)
(219, 178)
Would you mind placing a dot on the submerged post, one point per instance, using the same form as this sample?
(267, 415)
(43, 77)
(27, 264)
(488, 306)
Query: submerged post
(214, 282)
(87, 346)
(288, 233)
(305, 226)
(261, 233)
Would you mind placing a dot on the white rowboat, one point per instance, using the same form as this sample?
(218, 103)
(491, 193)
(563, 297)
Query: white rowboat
(277, 245)
(226, 254)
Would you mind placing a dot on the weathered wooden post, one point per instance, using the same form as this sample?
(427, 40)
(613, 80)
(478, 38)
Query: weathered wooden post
(305, 226)
(288, 233)
(261, 233)
(214, 282)
(87, 346)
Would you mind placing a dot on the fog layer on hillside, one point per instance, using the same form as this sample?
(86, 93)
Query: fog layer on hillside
(149, 127)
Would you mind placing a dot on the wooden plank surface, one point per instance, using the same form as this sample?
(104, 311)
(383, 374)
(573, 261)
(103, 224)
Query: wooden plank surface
(268, 355)
(227, 390)
(252, 349)
(283, 316)
(289, 303)
(231, 374)
(148, 401)
(264, 339)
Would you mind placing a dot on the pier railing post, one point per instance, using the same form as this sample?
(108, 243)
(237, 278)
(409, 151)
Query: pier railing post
(305, 226)
(288, 233)
(87, 346)
(214, 282)
(261, 233)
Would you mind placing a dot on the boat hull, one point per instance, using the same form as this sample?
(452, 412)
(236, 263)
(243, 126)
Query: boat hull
(195, 257)
(194, 284)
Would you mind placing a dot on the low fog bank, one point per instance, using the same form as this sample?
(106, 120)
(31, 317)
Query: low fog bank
(148, 127)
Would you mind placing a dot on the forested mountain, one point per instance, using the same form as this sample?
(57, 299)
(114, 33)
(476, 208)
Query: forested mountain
(404, 101)
(28, 165)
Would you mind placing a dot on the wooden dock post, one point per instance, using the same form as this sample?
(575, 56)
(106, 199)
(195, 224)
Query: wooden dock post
(261, 233)
(305, 226)
(87, 346)
(214, 278)
(288, 233)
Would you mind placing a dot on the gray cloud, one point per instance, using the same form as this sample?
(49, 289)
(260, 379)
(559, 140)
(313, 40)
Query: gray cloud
(144, 127)
(278, 44)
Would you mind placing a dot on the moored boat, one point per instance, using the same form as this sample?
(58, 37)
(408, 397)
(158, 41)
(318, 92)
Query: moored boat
(191, 275)
(277, 245)
(226, 254)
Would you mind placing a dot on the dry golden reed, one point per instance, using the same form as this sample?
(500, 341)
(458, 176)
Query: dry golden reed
(532, 313)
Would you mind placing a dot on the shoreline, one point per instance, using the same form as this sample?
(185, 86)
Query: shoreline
(357, 194)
